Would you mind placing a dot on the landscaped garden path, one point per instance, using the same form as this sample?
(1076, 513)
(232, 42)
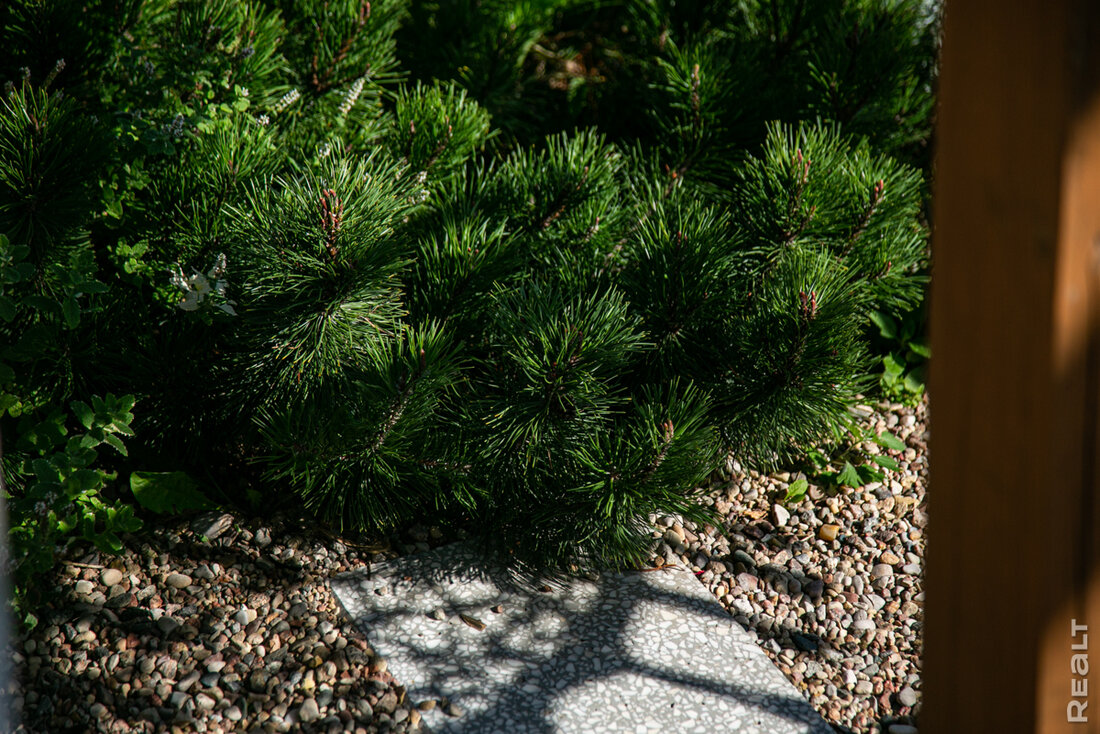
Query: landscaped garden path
(221, 624)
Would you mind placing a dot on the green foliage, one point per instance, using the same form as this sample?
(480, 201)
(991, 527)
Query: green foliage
(50, 156)
(845, 463)
(55, 489)
(801, 360)
(811, 188)
(796, 492)
(168, 492)
(906, 357)
(357, 457)
(437, 128)
(539, 266)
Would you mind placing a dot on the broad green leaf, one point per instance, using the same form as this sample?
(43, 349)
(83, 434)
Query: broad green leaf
(94, 286)
(83, 480)
(920, 350)
(848, 476)
(123, 428)
(796, 491)
(41, 303)
(71, 310)
(45, 472)
(868, 474)
(168, 492)
(887, 462)
(117, 443)
(887, 327)
(890, 441)
(891, 366)
(83, 413)
(108, 542)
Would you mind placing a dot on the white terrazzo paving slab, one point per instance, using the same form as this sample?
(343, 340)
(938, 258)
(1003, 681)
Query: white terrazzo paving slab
(639, 652)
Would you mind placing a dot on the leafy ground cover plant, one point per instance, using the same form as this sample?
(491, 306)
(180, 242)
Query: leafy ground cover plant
(543, 275)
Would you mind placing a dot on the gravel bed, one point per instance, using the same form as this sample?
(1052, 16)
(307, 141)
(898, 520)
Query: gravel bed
(209, 626)
(831, 587)
(217, 625)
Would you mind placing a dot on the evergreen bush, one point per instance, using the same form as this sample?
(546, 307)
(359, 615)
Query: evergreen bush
(541, 265)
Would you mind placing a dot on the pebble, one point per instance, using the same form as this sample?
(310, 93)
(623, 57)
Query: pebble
(309, 711)
(828, 532)
(211, 525)
(245, 616)
(781, 514)
(110, 576)
(178, 580)
(168, 625)
(387, 703)
(907, 697)
(902, 729)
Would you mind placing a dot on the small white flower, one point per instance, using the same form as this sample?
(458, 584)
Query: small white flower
(244, 91)
(218, 269)
(200, 285)
(323, 150)
(264, 120)
(177, 279)
(351, 96)
(286, 100)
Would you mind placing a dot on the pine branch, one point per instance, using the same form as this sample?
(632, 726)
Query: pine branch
(667, 433)
(322, 82)
(557, 208)
(865, 216)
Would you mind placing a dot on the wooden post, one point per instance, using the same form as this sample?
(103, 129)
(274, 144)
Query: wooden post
(1013, 554)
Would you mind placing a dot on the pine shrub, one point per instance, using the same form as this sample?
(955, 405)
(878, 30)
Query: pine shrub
(541, 266)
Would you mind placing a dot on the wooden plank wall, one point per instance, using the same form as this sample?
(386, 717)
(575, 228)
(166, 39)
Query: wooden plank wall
(1013, 556)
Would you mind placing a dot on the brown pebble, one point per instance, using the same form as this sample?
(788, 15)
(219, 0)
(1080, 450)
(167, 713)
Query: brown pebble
(828, 532)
